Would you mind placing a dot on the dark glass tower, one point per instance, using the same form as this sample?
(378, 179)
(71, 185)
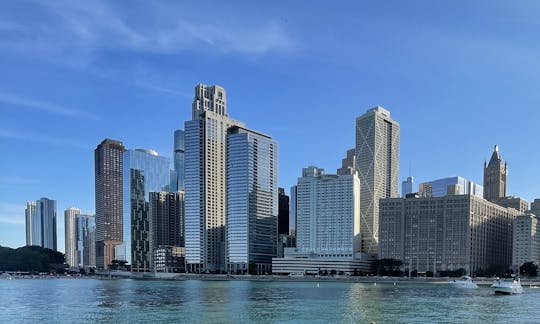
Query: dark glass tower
(283, 212)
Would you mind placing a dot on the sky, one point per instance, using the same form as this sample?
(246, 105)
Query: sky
(458, 76)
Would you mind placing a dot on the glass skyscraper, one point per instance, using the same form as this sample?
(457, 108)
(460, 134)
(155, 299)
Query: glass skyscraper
(144, 171)
(177, 175)
(85, 225)
(41, 223)
(252, 201)
(450, 186)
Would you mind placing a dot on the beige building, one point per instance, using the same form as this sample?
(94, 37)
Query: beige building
(517, 203)
(526, 247)
(377, 158)
(206, 179)
(446, 233)
(495, 177)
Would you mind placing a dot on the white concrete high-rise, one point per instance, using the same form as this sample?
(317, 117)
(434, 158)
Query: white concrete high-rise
(526, 240)
(206, 179)
(328, 214)
(70, 229)
(377, 158)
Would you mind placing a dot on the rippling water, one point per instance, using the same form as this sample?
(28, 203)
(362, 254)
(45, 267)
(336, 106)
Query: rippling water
(91, 300)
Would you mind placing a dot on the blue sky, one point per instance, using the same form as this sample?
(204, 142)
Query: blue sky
(458, 76)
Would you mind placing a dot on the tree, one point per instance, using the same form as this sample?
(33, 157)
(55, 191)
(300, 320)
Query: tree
(388, 267)
(529, 269)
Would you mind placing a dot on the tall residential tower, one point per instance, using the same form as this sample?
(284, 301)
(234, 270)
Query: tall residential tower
(206, 179)
(70, 228)
(41, 223)
(108, 157)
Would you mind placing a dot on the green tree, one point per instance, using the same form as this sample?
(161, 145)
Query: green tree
(529, 269)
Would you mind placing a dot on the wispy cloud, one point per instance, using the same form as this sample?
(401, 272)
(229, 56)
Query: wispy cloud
(12, 213)
(17, 180)
(93, 26)
(42, 139)
(45, 106)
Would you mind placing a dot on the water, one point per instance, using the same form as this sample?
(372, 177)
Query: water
(123, 301)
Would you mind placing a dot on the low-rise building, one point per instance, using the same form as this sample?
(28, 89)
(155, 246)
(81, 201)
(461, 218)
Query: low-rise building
(446, 233)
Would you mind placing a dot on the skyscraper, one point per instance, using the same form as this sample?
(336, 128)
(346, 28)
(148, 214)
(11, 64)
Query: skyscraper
(283, 214)
(108, 158)
(144, 172)
(41, 223)
(377, 158)
(293, 209)
(89, 243)
(177, 175)
(84, 226)
(348, 163)
(495, 177)
(70, 229)
(252, 201)
(407, 186)
(206, 179)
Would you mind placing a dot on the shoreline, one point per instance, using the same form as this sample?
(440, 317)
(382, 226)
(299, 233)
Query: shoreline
(526, 282)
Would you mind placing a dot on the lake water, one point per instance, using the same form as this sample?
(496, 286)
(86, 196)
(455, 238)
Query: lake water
(123, 301)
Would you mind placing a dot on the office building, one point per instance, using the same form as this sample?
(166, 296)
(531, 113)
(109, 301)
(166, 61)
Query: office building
(144, 172)
(206, 179)
(41, 223)
(177, 175)
(292, 212)
(167, 221)
(70, 228)
(283, 212)
(89, 252)
(348, 163)
(526, 247)
(517, 203)
(108, 157)
(449, 186)
(535, 207)
(377, 158)
(252, 201)
(446, 233)
(85, 245)
(407, 186)
(495, 177)
(328, 237)
(169, 259)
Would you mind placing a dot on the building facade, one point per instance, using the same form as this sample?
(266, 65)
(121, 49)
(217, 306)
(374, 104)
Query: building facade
(252, 201)
(206, 179)
(70, 229)
(144, 172)
(377, 163)
(328, 236)
(108, 158)
(526, 247)
(283, 212)
(348, 163)
(177, 175)
(517, 203)
(89, 243)
(446, 233)
(407, 186)
(167, 220)
(495, 177)
(535, 207)
(41, 223)
(292, 213)
(450, 186)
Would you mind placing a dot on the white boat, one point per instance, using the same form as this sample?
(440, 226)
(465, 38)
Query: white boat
(464, 282)
(507, 286)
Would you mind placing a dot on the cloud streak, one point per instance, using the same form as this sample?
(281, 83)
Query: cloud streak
(96, 26)
(42, 139)
(12, 213)
(46, 107)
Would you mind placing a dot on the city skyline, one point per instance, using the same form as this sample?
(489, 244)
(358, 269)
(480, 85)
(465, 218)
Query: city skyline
(446, 110)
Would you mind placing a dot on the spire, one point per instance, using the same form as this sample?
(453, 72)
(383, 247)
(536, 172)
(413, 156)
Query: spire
(495, 157)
